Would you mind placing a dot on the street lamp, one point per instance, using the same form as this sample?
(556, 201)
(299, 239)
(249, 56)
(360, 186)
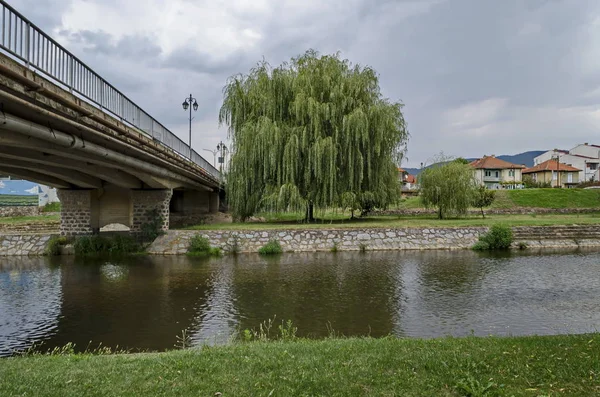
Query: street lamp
(223, 149)
(214, 152)
(186, 104)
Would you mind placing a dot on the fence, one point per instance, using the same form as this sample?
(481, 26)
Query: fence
(25, 41)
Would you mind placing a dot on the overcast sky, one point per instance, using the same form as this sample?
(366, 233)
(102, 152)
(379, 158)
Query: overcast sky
(476, 76)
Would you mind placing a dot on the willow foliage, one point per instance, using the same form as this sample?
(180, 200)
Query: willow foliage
(448, 186)
(310, 132)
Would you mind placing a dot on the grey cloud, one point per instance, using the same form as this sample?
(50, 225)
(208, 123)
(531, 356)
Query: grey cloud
(434, 55)
(136, 47)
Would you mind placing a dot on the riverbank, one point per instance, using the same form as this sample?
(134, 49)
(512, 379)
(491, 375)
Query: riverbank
(176, 242)
(519, 366)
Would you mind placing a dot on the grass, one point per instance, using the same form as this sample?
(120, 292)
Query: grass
(566, 365)
(413, 221)
(556, 198)
(15, 200)
(530, 198)
(30, 219)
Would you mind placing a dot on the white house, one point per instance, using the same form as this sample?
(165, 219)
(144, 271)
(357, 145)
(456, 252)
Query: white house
(586, 157)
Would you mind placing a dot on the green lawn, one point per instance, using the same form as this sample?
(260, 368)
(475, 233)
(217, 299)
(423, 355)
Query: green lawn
(556, 198)
(30, 219)
(533, 198)
(412, 221)
(567, 365)
(12, 200)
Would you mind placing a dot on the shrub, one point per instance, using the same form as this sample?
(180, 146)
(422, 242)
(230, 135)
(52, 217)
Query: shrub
(200, 246)
(94, 245)
(499, 237)
(54, 244)
(271, 248)
(51, 207)
(153, 228)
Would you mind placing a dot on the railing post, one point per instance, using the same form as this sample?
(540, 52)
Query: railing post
(27, 43)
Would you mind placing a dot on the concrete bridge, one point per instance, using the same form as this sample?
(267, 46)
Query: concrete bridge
(64, 126)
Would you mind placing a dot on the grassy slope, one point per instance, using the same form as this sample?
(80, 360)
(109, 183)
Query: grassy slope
(9, 200)
(30, 219)
(540, 198)
(523, 366)
(556, 198)
(413, 221)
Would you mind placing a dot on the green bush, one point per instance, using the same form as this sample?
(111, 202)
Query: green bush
(271, 248)
(54, 244)
(51, 207)
(499, 237)
(98, 245)
(200, 246)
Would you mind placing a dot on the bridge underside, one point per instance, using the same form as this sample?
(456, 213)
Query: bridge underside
(106, 171)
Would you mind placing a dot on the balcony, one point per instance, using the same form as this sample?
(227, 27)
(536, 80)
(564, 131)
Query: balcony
(491, 179)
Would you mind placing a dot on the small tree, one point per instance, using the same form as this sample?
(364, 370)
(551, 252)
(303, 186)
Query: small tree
(449, 186)
(483, 198)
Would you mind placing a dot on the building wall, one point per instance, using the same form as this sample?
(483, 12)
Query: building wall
(546, 176)
(578, 162)
(586, 150)
(503, 174)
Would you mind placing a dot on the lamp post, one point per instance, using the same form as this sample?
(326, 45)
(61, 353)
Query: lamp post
(556, 157)
(223, 149)
(186, 104)
(214, 153)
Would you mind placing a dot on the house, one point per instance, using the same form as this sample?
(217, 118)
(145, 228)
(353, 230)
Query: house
(495, 173)
(408, 181)
(554, 172)
(586, 157)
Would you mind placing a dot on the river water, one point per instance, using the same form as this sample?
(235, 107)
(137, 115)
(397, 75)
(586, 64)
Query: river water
(144, 303)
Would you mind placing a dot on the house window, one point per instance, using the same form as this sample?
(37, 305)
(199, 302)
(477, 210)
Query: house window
(511, 172)
(488, 173)
(592, 166)
(497, 174)
(534, 177)
(554, 175)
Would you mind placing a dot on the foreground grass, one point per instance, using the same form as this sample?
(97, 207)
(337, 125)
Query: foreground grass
(30, 219)
(524, 366)
(413, 221)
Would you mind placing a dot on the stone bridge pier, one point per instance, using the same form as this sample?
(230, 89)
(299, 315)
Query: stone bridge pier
(87, 211)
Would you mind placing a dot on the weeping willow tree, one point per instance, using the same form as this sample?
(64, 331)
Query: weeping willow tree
(312, 133)
(448, 186)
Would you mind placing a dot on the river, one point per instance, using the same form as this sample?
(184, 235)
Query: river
(146, 303)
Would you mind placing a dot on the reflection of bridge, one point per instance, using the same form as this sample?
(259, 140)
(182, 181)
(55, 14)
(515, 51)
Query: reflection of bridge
(63, 125)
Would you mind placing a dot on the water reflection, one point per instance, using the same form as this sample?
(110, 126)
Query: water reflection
(30, 299)
(146, 302)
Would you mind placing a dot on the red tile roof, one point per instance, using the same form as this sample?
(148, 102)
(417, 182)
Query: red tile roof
(550, 165)
(410, 179)
(491, 162)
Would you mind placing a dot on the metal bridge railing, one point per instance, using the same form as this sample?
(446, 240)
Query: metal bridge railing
(25, 41)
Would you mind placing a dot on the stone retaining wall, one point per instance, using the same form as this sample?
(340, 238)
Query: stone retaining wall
(20, 210)
(176, 241)
(28, 244)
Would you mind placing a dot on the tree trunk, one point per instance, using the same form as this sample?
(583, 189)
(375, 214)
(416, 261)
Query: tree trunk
(309, 213)
(482, 214)
(440, 213)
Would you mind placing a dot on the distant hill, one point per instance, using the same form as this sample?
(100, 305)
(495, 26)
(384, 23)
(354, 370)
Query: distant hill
(525, 158)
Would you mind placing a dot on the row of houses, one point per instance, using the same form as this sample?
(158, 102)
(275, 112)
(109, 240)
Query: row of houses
(558, 168)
